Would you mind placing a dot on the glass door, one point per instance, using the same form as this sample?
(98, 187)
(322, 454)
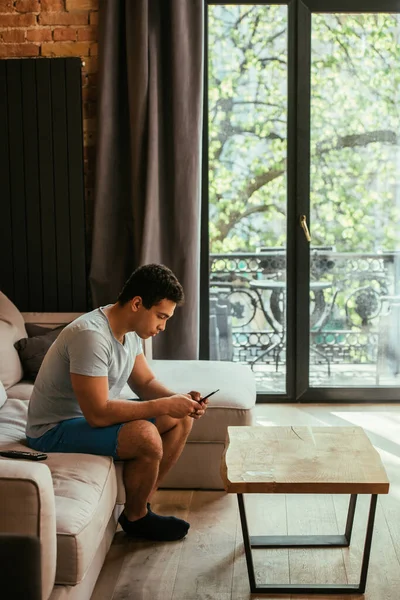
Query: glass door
(353, 213)
(247, 130)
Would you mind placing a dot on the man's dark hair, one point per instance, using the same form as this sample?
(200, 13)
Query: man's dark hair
(152, 283)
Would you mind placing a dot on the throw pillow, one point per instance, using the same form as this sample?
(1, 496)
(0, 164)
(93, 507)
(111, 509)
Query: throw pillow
(33, 350)
(3, 394)
(33, 330)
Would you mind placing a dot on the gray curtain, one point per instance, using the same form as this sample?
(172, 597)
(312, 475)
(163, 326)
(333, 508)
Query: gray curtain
(147, 202)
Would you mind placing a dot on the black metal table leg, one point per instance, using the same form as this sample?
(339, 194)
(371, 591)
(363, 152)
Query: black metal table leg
(311, 541)
(367, 545)
(246, 540)
(350, 517)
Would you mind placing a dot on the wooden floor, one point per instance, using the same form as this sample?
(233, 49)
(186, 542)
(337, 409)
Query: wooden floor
(210, 564)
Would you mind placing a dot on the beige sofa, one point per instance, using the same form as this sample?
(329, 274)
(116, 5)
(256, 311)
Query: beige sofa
(71, 502)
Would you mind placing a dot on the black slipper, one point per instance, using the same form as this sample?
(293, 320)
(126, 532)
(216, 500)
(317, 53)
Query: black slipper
(155, 527)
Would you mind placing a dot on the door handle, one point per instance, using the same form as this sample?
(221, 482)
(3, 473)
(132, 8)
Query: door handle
(303, 223)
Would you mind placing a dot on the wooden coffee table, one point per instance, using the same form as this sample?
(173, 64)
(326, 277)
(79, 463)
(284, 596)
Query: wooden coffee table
(303, 460)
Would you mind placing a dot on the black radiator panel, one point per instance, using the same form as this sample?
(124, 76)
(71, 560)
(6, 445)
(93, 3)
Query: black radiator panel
(42, 207)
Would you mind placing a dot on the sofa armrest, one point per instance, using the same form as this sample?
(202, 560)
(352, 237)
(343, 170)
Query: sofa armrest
(27, 507)
(20, 566)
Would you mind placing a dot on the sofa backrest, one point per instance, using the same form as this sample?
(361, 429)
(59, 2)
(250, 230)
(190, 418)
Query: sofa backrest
(12, 329)
(48, 319)
(56, 319)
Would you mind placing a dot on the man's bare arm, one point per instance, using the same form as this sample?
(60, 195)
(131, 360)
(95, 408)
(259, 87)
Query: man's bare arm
(144, 383)
(99, 411)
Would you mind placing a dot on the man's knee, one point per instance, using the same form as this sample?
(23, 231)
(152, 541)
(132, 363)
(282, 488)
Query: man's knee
(151, 444)
(140, 439)
(186, 425)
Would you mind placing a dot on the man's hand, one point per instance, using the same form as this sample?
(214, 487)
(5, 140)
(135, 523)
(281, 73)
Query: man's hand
(201, 407)
(181, 405)
(195, 395)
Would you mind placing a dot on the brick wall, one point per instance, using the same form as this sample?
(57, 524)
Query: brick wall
(58, 28)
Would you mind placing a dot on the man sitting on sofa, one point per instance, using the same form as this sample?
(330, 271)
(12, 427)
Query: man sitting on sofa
(74, 405)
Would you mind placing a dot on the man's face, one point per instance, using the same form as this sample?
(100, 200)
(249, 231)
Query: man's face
(150, 322)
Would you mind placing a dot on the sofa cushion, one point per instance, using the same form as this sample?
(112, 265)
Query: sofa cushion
(85, 490)
(32, 351)
(12, 423)
(10, 314)
(12, 329)
(10, 365)
(229, 406)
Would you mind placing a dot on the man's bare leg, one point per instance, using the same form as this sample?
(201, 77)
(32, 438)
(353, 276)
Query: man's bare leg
(174, 433)
(140, 446)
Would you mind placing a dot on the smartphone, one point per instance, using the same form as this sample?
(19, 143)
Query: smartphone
(208, 395)
(25, 455)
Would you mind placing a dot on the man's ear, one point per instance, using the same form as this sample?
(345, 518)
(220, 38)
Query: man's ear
(136, 303)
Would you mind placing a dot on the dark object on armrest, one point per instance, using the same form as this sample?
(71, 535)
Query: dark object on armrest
(20, 567)
(34, 330)
(33, 350)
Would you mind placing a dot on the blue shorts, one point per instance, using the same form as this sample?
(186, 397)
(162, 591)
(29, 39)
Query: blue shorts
(76, 435)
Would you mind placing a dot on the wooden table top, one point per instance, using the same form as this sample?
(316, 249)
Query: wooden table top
(301, 460)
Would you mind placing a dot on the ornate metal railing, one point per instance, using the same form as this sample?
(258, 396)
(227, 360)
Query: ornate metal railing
(351, 299)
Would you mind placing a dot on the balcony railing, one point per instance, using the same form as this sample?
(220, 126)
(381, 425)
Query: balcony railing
(354, 307)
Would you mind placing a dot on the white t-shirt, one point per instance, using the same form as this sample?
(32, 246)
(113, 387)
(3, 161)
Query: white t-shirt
(86, 346)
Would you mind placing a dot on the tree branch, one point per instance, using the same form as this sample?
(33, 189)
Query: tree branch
(259, 209)
(244, 15)
(347, 141)
(358, 139)
(236, 216)
(264, 61)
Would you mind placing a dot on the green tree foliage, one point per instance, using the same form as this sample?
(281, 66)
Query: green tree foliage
(355, 194)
